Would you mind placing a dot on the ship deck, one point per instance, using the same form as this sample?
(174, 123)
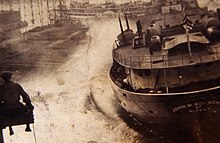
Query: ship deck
(140, 58)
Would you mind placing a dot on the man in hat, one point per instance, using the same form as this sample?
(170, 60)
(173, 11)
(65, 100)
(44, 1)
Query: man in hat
(10, 93)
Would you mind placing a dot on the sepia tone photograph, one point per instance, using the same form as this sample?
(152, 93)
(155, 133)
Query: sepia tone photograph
(109, 71)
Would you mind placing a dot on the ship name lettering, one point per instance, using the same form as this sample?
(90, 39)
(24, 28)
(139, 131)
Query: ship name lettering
(198, 106)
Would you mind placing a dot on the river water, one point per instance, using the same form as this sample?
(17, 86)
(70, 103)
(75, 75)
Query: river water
(75, 103)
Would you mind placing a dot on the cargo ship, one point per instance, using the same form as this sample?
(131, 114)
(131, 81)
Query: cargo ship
(86, 9)
(169, 71)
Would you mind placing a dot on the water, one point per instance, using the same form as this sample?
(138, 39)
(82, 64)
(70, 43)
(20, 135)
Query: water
(75, 103)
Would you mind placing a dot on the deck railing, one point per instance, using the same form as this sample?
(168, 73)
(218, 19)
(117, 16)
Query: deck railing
(167, 61)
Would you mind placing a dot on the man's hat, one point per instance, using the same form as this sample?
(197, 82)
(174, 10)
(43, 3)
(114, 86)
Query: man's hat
(6, 75)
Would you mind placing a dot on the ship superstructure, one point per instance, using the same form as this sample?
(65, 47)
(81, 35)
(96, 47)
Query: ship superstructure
(169, 70)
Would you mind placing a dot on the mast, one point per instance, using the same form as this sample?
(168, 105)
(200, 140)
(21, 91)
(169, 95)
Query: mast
(122, 31)
(127, 23)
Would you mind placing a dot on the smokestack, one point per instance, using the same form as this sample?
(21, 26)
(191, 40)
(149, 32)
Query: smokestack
(139, 28)
(128, 27)
(218, 12)
(122, 31)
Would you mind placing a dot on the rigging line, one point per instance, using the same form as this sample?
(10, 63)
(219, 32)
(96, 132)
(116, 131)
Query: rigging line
(35, 138)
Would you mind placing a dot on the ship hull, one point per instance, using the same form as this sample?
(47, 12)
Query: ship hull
(169, 107)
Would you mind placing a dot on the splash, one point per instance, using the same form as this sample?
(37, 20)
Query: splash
(75, 103)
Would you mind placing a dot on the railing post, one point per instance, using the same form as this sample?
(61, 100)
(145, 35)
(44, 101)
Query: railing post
(131, 61)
